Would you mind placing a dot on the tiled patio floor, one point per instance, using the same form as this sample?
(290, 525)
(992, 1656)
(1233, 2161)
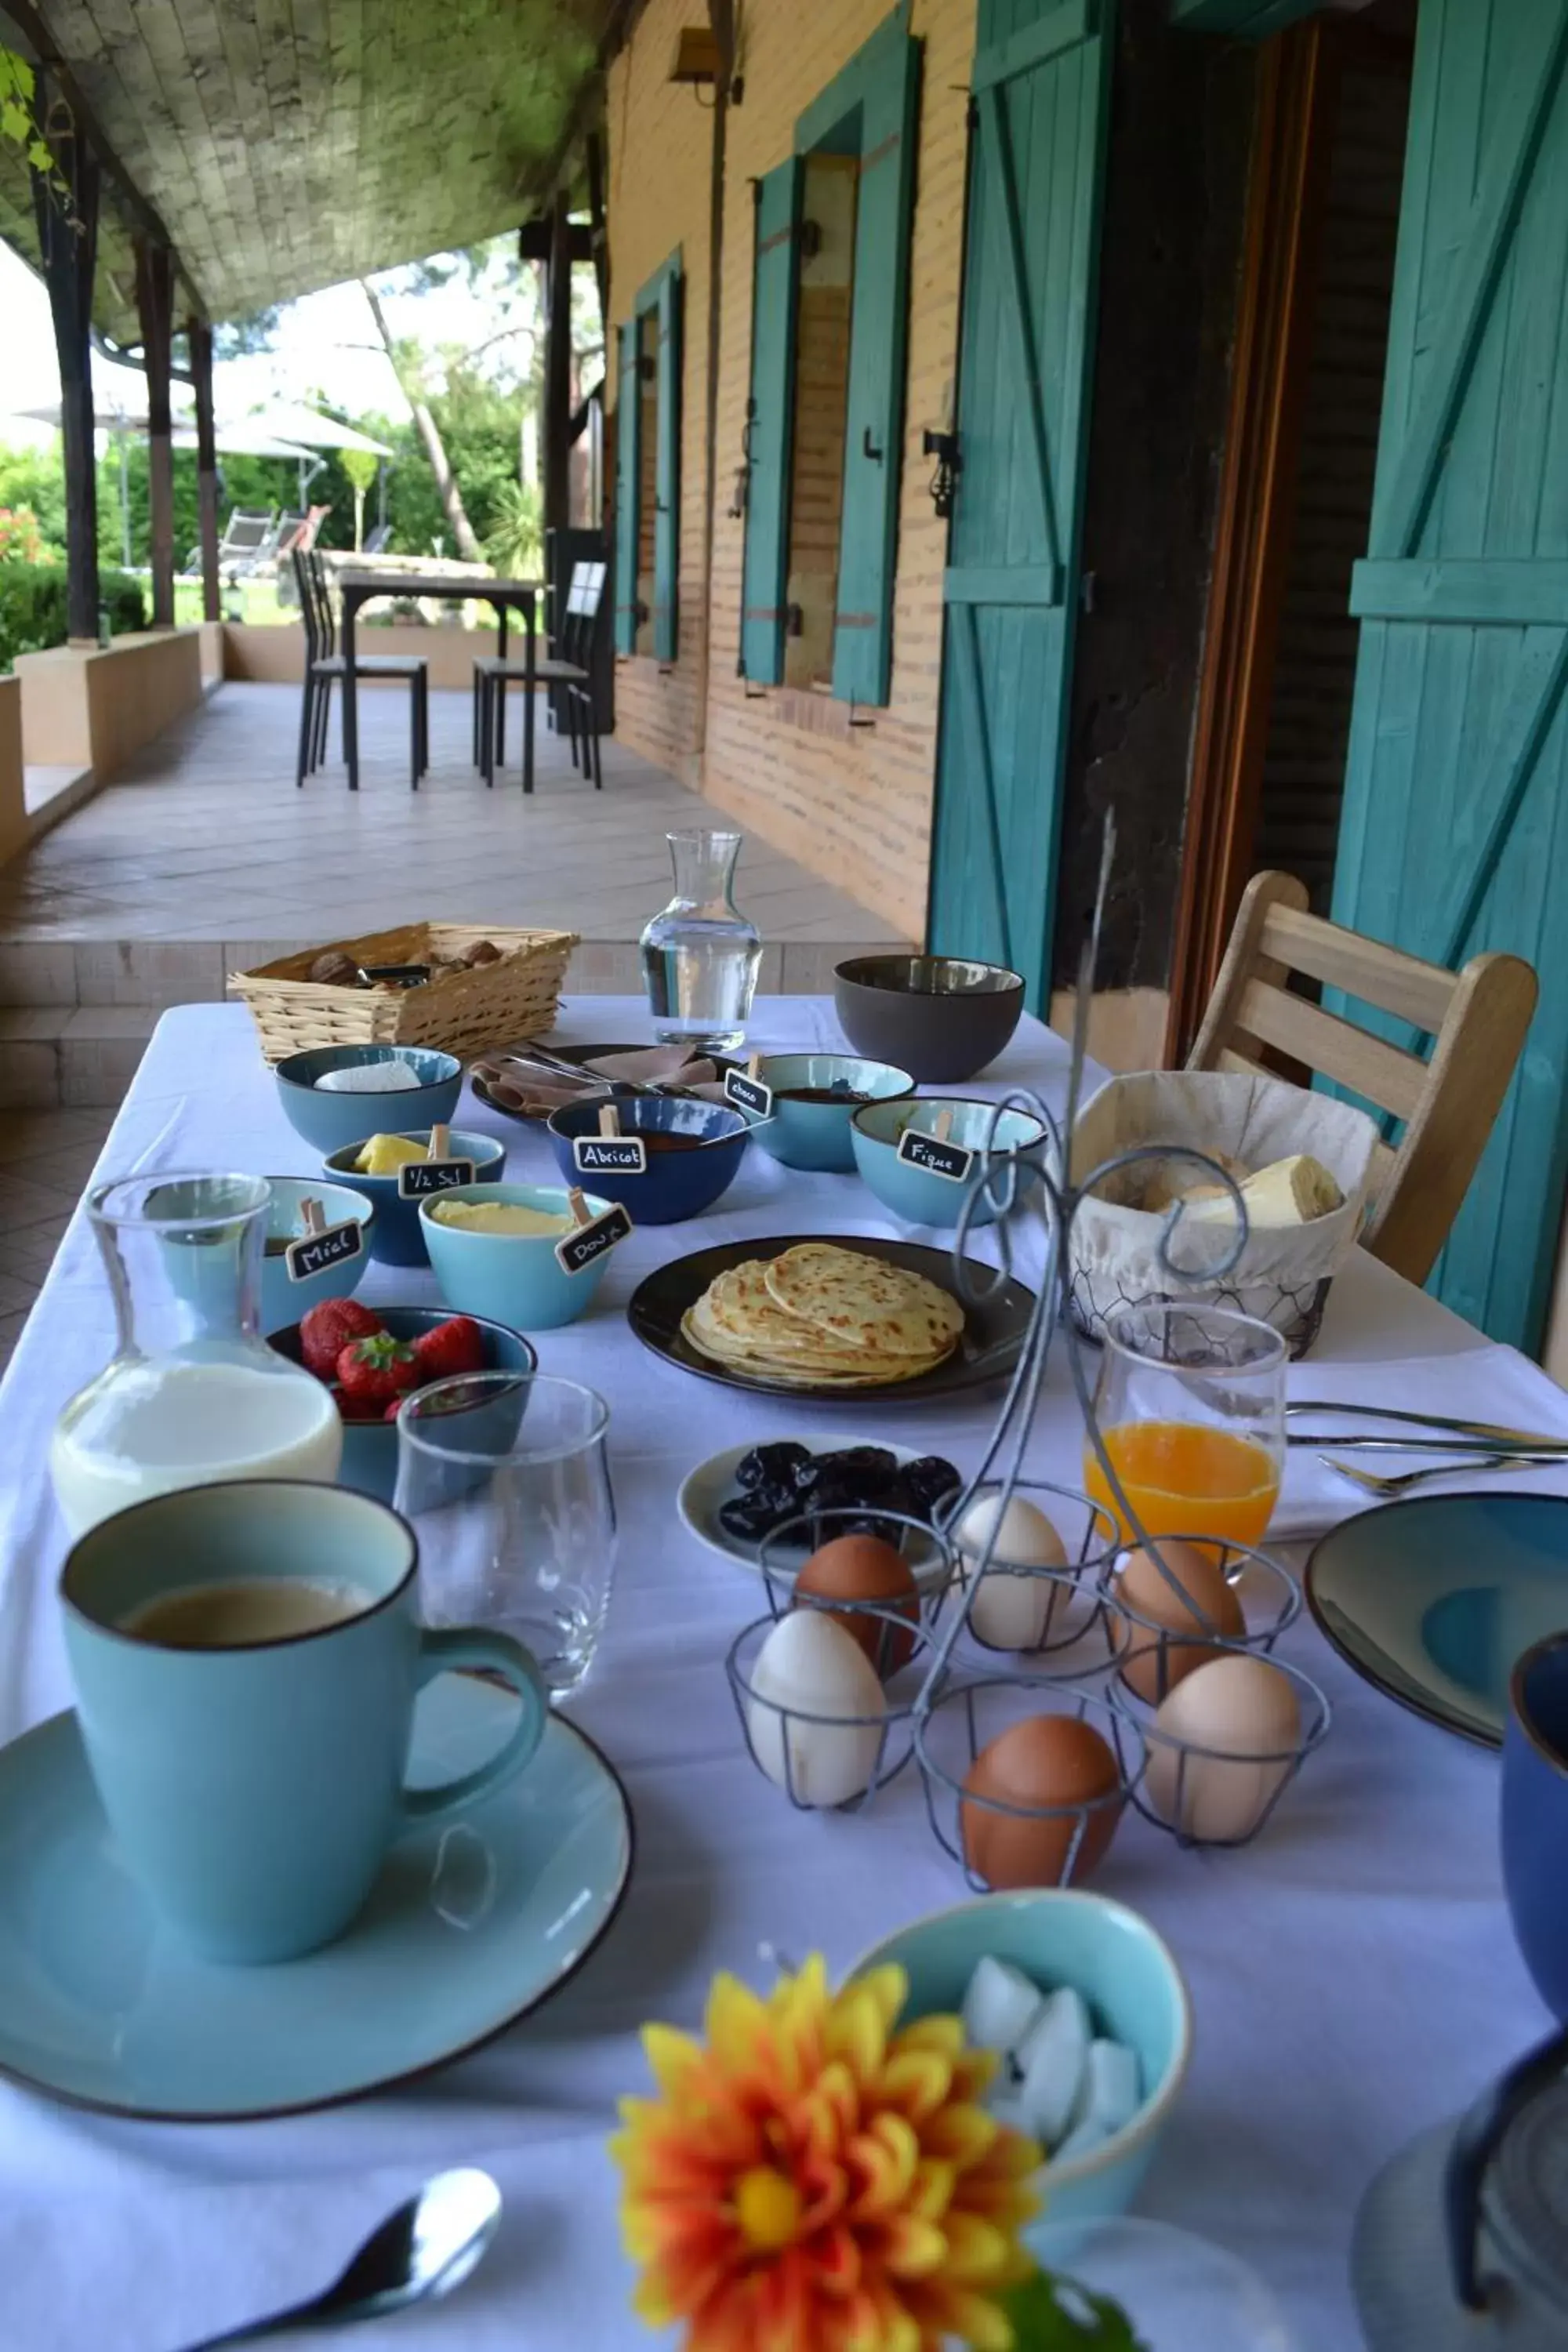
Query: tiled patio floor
(46, 1159)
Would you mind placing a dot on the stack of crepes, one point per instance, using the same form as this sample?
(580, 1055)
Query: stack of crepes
(822, 1316)
(530, 1090)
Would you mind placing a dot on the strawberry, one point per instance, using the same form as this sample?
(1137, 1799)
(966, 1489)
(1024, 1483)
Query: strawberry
(352, 1408)
(374, 1370)
(455, 1345)
(328, 1328)
(394, 1409)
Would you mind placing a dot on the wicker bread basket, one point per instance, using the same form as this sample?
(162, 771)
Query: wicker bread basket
(462, 1012)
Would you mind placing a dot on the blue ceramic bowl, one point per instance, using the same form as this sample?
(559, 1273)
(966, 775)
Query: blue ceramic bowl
(816, 1134)
(917, 1195)
(329, 1121)
(517, 1275)
(398, 1237)
(1535, 1817)
(1065, 1936)
(283, 1301)
(675, 1183)
(370, 1447)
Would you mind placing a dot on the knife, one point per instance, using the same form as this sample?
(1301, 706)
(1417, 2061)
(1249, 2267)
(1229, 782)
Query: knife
(1489, 1432)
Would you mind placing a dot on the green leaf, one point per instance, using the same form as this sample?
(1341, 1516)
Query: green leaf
(1053, 2314)
(13, 123)
(39, 156)
(21, 74)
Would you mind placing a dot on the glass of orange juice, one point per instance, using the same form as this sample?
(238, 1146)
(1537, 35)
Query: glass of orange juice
(1191, 1407)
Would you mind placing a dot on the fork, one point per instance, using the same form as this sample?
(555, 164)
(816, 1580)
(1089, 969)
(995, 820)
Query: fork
(1372, 1484)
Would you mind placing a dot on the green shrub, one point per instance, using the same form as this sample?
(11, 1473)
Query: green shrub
(33, 606)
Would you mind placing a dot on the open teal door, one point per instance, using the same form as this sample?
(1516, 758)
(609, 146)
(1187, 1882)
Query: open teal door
(1042, 77)
(1455, 830)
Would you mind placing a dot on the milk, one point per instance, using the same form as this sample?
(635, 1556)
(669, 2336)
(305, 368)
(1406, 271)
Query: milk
(153, 1427)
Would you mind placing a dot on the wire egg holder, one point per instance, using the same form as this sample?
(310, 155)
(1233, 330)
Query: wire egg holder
(1207, 1796)
(1063, 1612)
(1267, 1595)
(1012, 1188)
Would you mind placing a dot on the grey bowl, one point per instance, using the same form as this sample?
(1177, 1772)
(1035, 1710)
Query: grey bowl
(942, 1018)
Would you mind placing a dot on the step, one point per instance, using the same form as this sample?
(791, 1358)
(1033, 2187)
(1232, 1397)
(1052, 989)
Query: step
(72, 1056)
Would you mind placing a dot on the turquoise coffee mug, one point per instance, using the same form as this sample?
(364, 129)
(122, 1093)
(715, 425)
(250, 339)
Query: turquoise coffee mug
(254, 1788)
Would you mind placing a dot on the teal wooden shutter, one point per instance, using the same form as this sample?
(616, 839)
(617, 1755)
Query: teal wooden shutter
(1453, 836)
(1041, 86)
(666, 519)
(873, 449)
(627, 412)
(769, 418)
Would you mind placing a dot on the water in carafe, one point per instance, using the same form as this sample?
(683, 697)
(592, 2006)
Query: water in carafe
(700, 956)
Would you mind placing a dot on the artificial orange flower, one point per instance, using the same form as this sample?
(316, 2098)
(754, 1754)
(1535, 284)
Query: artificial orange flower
(812, 2181)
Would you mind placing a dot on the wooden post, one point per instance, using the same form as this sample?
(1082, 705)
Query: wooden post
(155, 303)
(200, 337)
(558, 373)
(65, 204)
(598, 231)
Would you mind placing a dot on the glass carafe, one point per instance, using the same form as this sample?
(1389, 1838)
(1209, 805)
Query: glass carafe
(193, 1395)
(700, 953)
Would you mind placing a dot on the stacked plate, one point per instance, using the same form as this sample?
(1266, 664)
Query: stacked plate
(823, 1318)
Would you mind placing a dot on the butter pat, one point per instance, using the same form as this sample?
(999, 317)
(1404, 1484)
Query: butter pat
(499, 1217)
(1287, 1193)
(369, 1078)
(383, 1155)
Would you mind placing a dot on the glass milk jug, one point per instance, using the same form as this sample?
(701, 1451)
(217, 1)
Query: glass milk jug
(699, 954)
(191, 1395)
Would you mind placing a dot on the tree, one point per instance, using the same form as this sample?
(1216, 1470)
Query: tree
(359, 466)
(410, 380)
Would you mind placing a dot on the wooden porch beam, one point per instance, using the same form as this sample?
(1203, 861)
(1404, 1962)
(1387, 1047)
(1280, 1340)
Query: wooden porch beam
(557, 418)
(536, 239)
(156, 305)
(67, 218)
(200, 335)
(598, 229)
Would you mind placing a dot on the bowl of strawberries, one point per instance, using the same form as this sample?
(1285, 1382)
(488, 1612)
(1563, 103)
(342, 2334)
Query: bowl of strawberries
(372, 1357)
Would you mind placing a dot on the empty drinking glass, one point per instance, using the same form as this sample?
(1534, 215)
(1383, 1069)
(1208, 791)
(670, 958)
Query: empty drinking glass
(505, 1481)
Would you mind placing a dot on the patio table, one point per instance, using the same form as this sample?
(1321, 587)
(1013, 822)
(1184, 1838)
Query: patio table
(357, 588)
(1352, 1973)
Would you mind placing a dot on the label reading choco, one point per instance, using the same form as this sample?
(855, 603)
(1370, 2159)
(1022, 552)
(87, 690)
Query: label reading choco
(416, 1178)
(578, 1250)
(919, 1149)
(609, 1155)
(749, 1094)
(314, 1252)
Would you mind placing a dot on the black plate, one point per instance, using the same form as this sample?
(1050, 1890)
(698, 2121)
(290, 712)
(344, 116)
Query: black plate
(987, 1350)
(576, 1055)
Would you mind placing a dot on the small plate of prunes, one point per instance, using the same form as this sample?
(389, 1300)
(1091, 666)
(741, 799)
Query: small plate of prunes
(734, 1499)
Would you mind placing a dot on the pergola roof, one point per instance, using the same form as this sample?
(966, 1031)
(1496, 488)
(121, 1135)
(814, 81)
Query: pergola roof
(288, 144)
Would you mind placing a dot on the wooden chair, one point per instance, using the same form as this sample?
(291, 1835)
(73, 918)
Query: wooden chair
(325, 666)
(1477, 1019)
(572, 668)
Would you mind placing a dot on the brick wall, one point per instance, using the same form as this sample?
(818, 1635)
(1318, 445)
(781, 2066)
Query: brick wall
(853, 803)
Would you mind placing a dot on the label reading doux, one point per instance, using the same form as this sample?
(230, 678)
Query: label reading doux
(919, 1149)
(314, 1252)
(609, 1155)
(578, 1250)
(749, 1094)
(416, 1178)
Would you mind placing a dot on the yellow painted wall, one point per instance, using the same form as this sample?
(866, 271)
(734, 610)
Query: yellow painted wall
(13, 808)
(92, 707)
(853, 803)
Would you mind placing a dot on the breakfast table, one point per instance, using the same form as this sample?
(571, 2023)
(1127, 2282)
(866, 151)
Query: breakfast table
(505, 597)
(1353, 1972)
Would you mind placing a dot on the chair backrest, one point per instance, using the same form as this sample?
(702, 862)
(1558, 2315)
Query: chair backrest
(376, 539)
(247, 529)
(306, 588)
(290, 533)
(1447, 1103)
(326, 614)
(583, 599)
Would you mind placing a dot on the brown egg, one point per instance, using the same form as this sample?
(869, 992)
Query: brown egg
(1045, 1759)
(865, 1568)
(1152, 1672)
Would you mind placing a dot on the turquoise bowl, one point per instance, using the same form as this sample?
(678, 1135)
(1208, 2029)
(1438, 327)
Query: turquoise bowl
(329, 1121)
(816, 1134)
(516, 1276)
(916, 1194)
(398, 1238)
(283, 1301)
(1135, 1993)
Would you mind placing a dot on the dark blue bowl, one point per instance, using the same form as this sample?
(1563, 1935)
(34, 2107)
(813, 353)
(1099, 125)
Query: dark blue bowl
(675, 1185)
(1535, 1817)
(397, 1237)
(370, 1447)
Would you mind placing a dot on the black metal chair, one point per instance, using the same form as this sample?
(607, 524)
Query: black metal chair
(572, 668)
(325, 666)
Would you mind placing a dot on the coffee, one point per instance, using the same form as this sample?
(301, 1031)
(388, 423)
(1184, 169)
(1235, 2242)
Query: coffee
(251, 1609)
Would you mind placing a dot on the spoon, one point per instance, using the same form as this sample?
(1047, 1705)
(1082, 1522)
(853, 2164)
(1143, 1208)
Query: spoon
(425, 2249)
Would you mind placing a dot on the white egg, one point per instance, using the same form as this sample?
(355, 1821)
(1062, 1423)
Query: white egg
(1243, 1710)
(808, 1666)
(370, 1078)
(1009, 1612)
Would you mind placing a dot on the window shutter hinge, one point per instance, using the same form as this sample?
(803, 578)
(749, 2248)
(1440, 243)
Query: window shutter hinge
(1087, 587)
(971, 112)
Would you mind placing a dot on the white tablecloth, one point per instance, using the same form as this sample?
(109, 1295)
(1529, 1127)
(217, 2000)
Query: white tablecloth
(1353, 1974)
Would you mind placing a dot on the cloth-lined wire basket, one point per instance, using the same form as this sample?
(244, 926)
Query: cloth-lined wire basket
(462, 1010)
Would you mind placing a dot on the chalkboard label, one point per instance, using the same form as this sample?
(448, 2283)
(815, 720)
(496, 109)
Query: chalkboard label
(577, 1250)
(609, 1155)
(918, 1149)
(314, 1253)
(749, 1095)
(418, 1178)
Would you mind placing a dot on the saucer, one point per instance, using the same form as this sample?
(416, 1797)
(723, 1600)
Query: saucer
(712, 1482)
(474, 1921)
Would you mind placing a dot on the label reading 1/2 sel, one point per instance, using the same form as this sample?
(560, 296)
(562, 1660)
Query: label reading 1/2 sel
(416, 1178)
(314, 1252)
(577, 1250)
(939, 1158)
(609, 1155)
(749, 1094)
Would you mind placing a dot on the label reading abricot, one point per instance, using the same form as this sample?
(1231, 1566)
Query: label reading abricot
(418, 1178)
(578, 1250)
(314, 1252)
(609, 1155)
(951, 1161)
